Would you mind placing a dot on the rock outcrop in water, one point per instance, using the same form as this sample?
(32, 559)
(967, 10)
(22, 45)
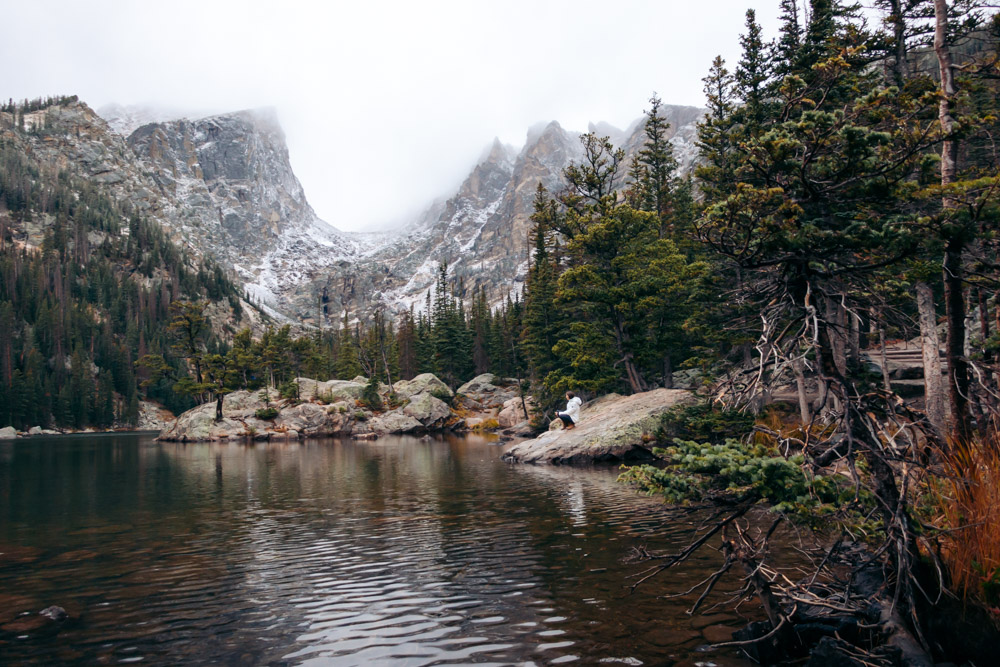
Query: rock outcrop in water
(334, 409)
(612, 428)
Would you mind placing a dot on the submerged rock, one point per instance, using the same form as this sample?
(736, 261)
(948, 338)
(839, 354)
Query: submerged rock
(611, 429)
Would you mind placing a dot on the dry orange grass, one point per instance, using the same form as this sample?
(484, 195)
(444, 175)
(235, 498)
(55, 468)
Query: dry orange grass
(968, 499)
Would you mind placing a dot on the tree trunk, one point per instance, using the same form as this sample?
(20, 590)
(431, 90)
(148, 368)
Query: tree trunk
(934, 402)
(853, 341)
(805, 413)
(218, 407)
(668, 372)
(900, 67)
(958, 367)
(958, 371)
(886, 380)
(632, 375)
(835, 322)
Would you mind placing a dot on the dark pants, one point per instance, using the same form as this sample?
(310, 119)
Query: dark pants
(566, 419)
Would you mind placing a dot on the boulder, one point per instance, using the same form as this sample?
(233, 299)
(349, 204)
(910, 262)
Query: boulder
(8, 433)
(487, 391)
(243, 403)
(332, 390)
(395, 422)
(481, 384)
(424, 383)
(611, 429)
(431, 412)
(198, 424)
(153, 417)
(35, 430)
(513, 412)
(311, 419)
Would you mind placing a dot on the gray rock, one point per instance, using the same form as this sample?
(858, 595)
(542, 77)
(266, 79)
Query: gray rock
(332, 390)
(395, 422)
(8, 433)
(431, 412)
(35, 430)
(311, 419)
(612, 428)
(54, 613)
(481, 384)
(423, 383)
(513, 411)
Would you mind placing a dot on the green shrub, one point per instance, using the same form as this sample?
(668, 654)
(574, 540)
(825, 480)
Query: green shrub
(704, 423)
(443, 395)
(370, 397)
(360, 415)
(289, 390)
(737, 472)
(266, 413)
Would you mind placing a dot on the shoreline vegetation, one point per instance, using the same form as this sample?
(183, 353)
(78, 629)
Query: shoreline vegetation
(846, 197)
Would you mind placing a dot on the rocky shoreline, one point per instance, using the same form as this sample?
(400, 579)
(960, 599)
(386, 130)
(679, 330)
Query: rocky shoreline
(611, 429)
(335, 408)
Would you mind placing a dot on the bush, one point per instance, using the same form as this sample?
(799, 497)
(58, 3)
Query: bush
(443, 395)
(370, 397)
(488, 425)
(395, 400)
(266, 413)
(697, 472)
(704, 423)
(964, 504)
(289, 390)
(361, 415)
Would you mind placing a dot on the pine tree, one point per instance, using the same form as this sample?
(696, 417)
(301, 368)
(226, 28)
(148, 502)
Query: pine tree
(657, 180)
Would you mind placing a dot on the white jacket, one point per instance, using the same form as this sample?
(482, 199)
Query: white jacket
(573, 408)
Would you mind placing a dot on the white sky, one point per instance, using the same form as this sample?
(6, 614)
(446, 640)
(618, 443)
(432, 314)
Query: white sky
(386, 105)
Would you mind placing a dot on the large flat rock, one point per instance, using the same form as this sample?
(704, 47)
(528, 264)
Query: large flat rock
(611, 429)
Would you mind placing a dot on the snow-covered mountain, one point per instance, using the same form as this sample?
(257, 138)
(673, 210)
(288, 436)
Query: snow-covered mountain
(482, 230)
(242, 203)
(223, 187)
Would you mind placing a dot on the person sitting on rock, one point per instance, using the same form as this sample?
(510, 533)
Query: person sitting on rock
(572, 413)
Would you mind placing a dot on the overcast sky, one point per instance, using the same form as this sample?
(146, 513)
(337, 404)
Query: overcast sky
(386, 105)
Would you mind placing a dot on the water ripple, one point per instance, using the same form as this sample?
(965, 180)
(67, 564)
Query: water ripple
(328, 553)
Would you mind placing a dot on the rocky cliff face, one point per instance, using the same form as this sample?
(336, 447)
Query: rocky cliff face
(223, 187)
(237, 196)
(482, 230)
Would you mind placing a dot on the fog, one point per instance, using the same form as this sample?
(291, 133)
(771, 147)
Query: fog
(385, 105)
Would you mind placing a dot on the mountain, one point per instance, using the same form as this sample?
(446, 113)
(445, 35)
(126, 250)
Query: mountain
(482, 230)
(87, 286)
(223, 188)
(233, 193)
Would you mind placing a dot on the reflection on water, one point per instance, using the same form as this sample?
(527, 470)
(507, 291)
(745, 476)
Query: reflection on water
(399, 552)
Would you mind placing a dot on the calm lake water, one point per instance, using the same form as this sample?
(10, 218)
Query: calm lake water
(393, 552)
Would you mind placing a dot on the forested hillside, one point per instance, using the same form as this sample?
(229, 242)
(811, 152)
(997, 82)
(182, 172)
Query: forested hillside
(85, 291)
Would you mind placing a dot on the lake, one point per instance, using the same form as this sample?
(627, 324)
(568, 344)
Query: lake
(399, 551)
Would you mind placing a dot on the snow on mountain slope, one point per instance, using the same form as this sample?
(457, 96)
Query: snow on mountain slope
(224, 187)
